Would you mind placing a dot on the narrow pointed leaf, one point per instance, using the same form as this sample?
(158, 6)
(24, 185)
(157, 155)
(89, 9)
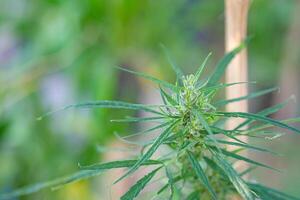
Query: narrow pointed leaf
(242, 158)
(228, 133)
(246, 146)
(175, 180)
(51, 184)
(176, 69)
(199, 71)
(247, 171)
(222, 65)
(257, 117)
(170, 182)
(223, 85)
(118, 164)
(148, 130)
(207, 127)
(203, 122)
(265, 112)
(151, 78)
(138, 143)
(241, 187)
(86, 172)
(246, 97)
(215, 167)
(266, 193)
(163, 97)
(201, 174)
(168, 98)
(134, 191)
(261, 127)
(109, 104)
(158, 141)
(194, 196)
(138, 119)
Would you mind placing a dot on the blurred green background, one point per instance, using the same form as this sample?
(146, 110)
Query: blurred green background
(58, 52)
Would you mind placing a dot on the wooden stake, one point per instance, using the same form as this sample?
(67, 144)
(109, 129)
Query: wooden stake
(236, 16)
(236, 12)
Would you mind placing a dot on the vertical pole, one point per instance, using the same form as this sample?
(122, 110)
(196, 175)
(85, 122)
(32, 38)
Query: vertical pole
(236, 12)
(236, 16)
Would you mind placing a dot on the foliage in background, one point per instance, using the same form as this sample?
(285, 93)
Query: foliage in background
(72, 44)
(197, 164)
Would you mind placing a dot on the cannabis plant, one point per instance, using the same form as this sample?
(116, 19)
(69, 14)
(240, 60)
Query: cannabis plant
(195, 163)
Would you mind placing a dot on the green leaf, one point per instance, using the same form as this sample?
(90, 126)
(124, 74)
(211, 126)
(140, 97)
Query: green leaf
(246, 146)
(86, 172)
(203, 122)
(249, 96)
(206, 127)
(223, 85)
(233, 176)
(193, 196)
(215, 167)
(242, 158)
(222, 65)
(228, 133)
(167, 97)
(177, 70)
(201, 174)
(175, 136)
(248, 170)
(170, 182)
(261, 127)
(200, 69)
(163, 96)
(137, 119)
(266, 193)
(257, 118)
(235, 138)
(266, 112)
(51, 184)
(158, 141)
(148, 130)
(139, 143)
(118, 164)
(109, 104)
(265, 134)
(134, 191)
(175, 180)
(151, 78)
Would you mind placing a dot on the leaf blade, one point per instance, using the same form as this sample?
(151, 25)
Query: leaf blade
(270, 193)
(134, 191)
(266, 112)
(158, 141)
(151, 78)
(260, 118)
(118, 164)
(86, 172)
(245, 145)
(242, 158)
(222, 65)
(177, 70)
(233, 176)
(200, 69)
(109, 104)
(201, 174)
(246, 97)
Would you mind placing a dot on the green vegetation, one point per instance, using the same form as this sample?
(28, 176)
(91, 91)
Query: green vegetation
(196, 162)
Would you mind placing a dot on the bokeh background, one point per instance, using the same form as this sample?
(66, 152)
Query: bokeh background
(58, 52)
